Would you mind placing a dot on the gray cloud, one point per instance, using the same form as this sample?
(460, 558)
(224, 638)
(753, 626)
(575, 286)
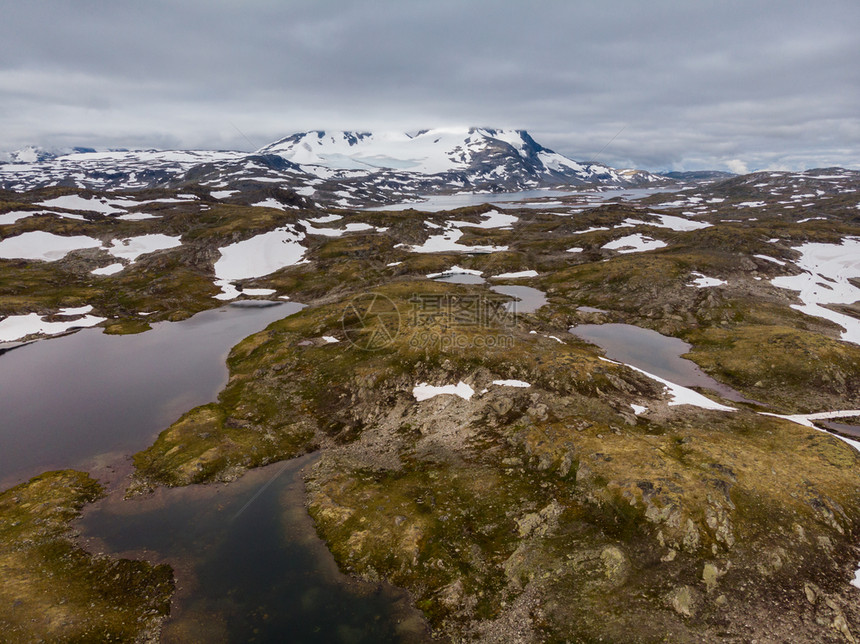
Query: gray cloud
(681, 85)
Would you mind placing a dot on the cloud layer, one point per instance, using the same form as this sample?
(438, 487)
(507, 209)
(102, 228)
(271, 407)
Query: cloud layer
(773, 83)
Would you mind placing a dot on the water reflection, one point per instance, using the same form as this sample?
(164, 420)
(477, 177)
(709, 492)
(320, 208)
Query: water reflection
(528, 299)
(652, 352)
(249, 565)
(842, 428)
(460, 278)
(537, 198)
(85, 397)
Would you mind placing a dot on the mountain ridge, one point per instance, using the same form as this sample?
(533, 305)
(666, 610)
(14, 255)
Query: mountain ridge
(474, 151)
(343, 168)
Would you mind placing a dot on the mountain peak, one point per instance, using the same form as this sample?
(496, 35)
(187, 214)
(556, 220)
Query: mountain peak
(481, 158)
(427, 151)
(37, 154)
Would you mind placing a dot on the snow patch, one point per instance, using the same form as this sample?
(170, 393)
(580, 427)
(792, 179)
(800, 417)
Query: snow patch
(271, 203)
(771, 259)
(326, 219)
(336, 232)
(511, 383)
(680, 395)
(44, 246)
(514, 276)
(704, 282)
(111, 269)
(138, 216)
(258, 292)
(825, 280)
(76, 202)
(635, 243)
(258, 256)
(491, 219)
(8, 218)
(807, 421)
(674, 223)
(447, 243)
(423, 391)
(133, 247)
(454, 270)
(17, 327)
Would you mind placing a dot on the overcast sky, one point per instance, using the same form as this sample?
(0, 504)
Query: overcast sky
(679, 85)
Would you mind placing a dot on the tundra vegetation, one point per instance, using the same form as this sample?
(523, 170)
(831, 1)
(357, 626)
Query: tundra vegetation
(548, 512)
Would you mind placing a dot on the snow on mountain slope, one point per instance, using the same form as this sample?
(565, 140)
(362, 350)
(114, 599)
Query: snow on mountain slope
(344, 169)
(427, 152)
(111, 170)
(477, 153)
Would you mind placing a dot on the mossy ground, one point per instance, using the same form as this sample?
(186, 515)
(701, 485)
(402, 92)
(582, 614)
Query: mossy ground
(168, 285)
(553, 491)
(744, 334)
(54, 591)
(551, 513)
(597, 518)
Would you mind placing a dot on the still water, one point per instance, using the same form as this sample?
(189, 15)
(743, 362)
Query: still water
(460, 278)
(88, 397)
(528, 299)
(248, 563)
(652, 352)
(538, 198)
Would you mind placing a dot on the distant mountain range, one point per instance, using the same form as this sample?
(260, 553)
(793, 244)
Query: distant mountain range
(476, 157)
(338, 168)
(35, 154)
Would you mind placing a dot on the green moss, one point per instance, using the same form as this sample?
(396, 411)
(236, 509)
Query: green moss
(795, 370)
(557, 496)
(289, 390)
(39, 286)
(53, 590)
(127, 327)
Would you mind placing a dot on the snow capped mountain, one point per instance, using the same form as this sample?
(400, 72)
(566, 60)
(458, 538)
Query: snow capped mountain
(35, 154)
(347, 169)
(426, 152)
(476, 155)
(29, 154)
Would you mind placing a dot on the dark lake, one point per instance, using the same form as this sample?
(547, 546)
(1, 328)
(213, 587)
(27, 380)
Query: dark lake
(84, 398)
(652, 352)
(248, 562)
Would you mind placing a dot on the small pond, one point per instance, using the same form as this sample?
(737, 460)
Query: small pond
(249, 564)
(652, 352)
(842, 428)
(460, 278)
(528, 299)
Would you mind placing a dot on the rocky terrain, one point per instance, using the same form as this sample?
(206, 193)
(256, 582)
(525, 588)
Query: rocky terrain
(520, 485)
(52, 589)
(340, 169)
